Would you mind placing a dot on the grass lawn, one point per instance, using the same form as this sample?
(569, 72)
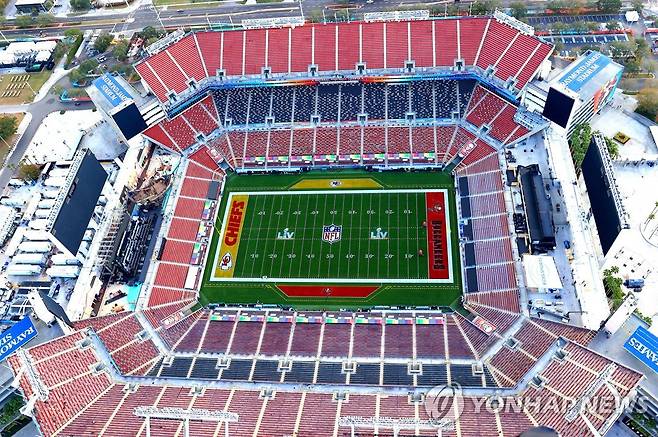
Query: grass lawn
(266, 259)
(11, 141)
(14, 89)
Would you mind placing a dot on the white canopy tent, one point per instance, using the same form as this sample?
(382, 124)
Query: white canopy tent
(541, 272)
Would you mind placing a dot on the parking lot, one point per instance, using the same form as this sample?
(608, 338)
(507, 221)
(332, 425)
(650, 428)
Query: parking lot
(545, 21)
(579, 40)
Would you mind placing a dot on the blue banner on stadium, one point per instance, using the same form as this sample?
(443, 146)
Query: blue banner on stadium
(644, 346)
(111, 89)
(16, 336)
(580, 74)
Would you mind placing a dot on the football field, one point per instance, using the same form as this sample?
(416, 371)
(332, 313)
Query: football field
(335, 239)
(344, 236)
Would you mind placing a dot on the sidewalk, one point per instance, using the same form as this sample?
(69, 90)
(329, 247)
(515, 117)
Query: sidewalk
(58, 73)
(13, 109)
(136, 4)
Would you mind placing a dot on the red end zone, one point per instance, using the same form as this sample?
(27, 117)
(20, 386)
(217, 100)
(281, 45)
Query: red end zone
(359, 291)
(437, 236)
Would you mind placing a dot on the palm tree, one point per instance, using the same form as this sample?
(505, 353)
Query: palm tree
(649, 218)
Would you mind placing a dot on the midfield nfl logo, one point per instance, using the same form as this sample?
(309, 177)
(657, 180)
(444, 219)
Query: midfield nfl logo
(331, 233)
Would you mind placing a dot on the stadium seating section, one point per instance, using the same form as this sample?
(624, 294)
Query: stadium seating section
(485, 44)
(263, 128)
(277, 370)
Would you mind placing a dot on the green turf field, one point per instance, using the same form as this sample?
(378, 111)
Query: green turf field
(279, 239)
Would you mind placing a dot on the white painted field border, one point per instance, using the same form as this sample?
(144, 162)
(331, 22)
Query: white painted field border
(450, 278)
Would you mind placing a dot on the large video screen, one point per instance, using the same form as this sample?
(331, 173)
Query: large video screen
(558, 107)
(130, 121)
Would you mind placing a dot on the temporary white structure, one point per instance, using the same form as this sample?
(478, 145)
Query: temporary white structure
(541, 272)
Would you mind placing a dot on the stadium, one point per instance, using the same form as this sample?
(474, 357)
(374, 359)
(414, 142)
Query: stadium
(338, 242)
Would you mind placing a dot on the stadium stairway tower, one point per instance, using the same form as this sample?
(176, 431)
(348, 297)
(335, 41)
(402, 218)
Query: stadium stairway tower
(444, 95)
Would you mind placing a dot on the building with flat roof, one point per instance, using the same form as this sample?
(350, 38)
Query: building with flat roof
(578, 92)
(27, 6)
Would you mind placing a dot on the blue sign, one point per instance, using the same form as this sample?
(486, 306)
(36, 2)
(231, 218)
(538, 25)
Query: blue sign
(111, 89)
(16, 336)
(644, 346)
(578, 75)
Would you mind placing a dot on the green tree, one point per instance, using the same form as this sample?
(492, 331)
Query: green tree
(608, 6)
(44, 20)
(126, 70)
(81, 5)
(648, 320)
(591, 26)
(8, 126)
(483, 7)
(120, 50)
(103, 42)
(647, 102)
(23, 21)
(631, 66)
(613, 148)
(612, 25)
(29, 172)
(622, 49)
(650, 65)
(150, 32)
(84, 69)
(57, 90)
(10, 410)
(72, 33)
(60, 50)
(556, 5)
(612, 285)
(72, 49)
(559, 27)
(519, 9)
(579, 142)
(642, 49)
